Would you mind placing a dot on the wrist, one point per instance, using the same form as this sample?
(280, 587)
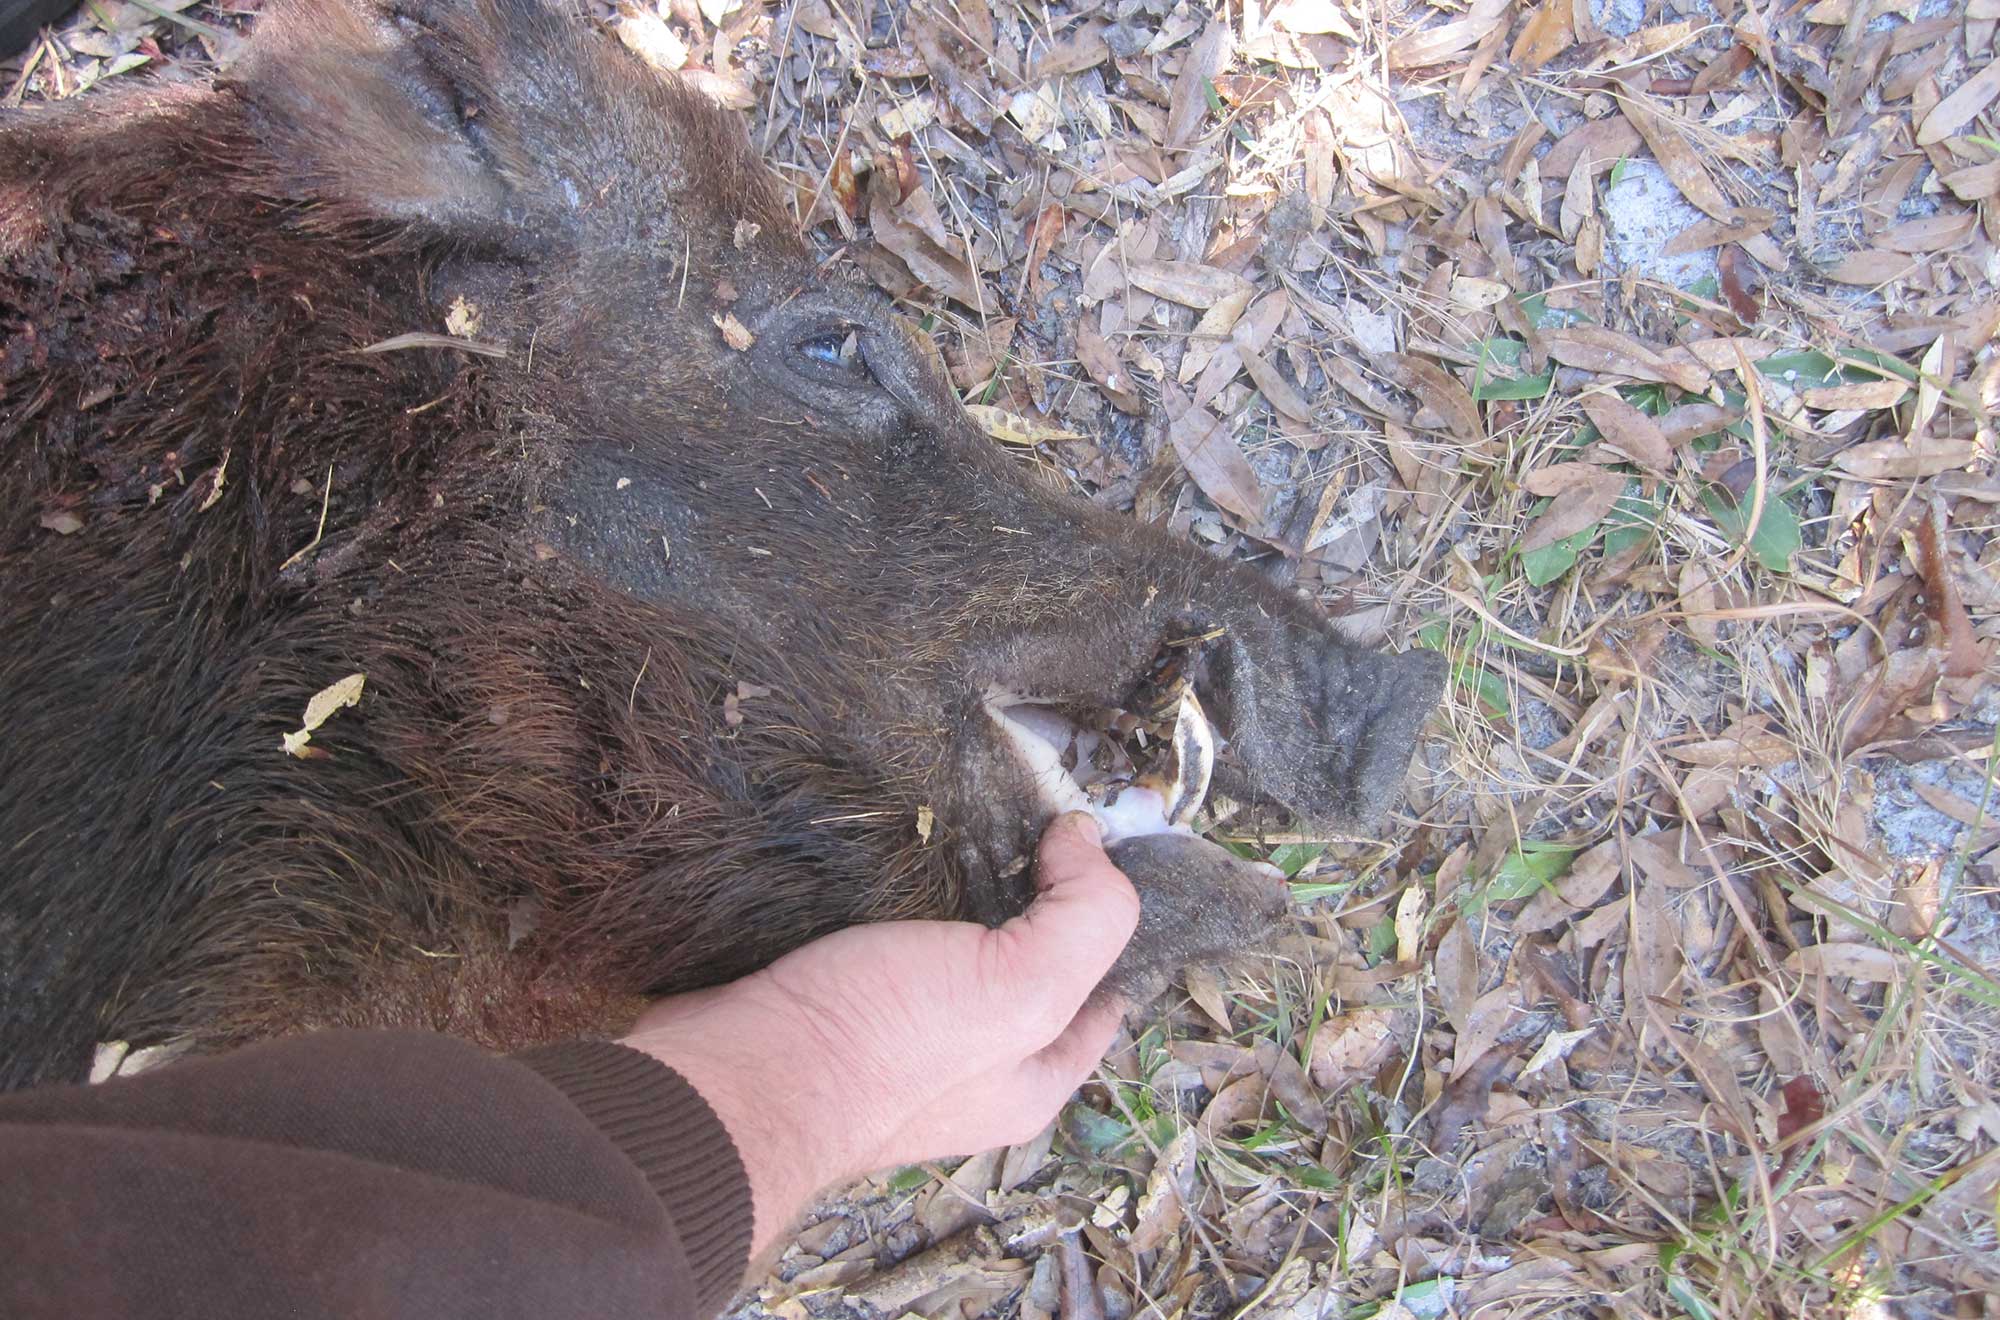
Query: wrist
(733, 1072)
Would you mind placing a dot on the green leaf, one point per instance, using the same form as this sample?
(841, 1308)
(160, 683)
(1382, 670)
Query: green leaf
(1535, 308)
(1514, 387)
(908, 1178)
(1551, 561)
(1618, 170)
(1778, 536)
(1527, 869)
(1690, 1301)
(1292, 858)
(1382, 937)
(1092, 1132)
(1311, 1175)
(1486, 685)
(1804, 369)
(1632, 522)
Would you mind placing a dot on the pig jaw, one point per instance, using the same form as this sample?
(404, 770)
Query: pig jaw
(1319, 727)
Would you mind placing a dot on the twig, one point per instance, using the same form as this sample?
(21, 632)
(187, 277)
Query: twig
(426, 339)
(326, 497)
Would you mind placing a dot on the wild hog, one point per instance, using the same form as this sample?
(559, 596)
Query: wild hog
(441, 343)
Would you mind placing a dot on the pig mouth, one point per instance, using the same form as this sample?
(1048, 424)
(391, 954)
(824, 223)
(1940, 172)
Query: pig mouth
(1136, 774)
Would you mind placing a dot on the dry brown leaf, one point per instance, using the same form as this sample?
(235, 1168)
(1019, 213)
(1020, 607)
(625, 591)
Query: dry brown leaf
(1455, 965)
(1555, 478)
(1593, 348)
(928, 259)
(1289, 1086)
(1163, 1206)
(734, 332)
(1211, 332)
(1321, 169)
(1596, 144)
(1864, 395)
(1655, 958)
(1250, 334)
(1447, 405)
(1905, 679)
(1961, 107)
(1657, 857)
(1579, 200)
(1550, 32)
(1351, 1047)
(1629, 431)
(1083, 48)
(960, 1200)
(1188, 105)
(1933, 233)
(1748, 222)
(1344, 374)
(1474, 294)
(1957, 638)
(1691, 421)
(1103, 364)
(1589, 246)
(1308, 18)
(1899, 460)
(1974, 183)
(1205, 988)
(1238, 1104)
(1409, 924)
(1212, 458)
(1042, 236)
(1280, 393)
(1187, 282)
(1582, 504)
(1682, 165)
(1762, 747)
(1415, 50)
(1586, 882)
(329, 699)
(1464, 1099)
(1492, 1013)
(960, 69)
(980, 352)
(1870, 267)
(1863, 962)
(1731, 1109)
(1010, 428)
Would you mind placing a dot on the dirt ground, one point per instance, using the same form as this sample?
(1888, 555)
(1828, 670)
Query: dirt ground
(1638, 356)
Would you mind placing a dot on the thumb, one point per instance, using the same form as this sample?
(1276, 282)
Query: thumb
(1061, 947)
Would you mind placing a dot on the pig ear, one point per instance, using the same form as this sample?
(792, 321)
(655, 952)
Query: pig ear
(365, 117)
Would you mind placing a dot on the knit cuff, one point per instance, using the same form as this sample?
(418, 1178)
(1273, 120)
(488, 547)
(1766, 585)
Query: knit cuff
(665, 1128)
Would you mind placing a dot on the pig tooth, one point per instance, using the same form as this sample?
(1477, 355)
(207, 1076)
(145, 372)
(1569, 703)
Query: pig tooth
(1194, 760)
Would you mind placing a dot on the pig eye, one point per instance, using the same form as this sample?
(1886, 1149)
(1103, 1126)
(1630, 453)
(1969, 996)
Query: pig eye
(835, 354)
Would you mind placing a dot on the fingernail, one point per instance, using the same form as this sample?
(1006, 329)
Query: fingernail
(1086, 825)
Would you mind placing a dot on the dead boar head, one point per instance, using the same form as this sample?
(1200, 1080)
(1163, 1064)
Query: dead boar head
(694, 610)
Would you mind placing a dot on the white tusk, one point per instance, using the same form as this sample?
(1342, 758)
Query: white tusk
(1194, 761)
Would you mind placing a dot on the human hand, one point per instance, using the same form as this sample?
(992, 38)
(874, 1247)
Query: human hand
(907, 1040)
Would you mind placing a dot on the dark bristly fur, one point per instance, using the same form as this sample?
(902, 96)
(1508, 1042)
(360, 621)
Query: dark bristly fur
(555, 568)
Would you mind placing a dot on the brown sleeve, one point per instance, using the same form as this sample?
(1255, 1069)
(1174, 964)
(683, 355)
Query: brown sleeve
(373, 1174)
